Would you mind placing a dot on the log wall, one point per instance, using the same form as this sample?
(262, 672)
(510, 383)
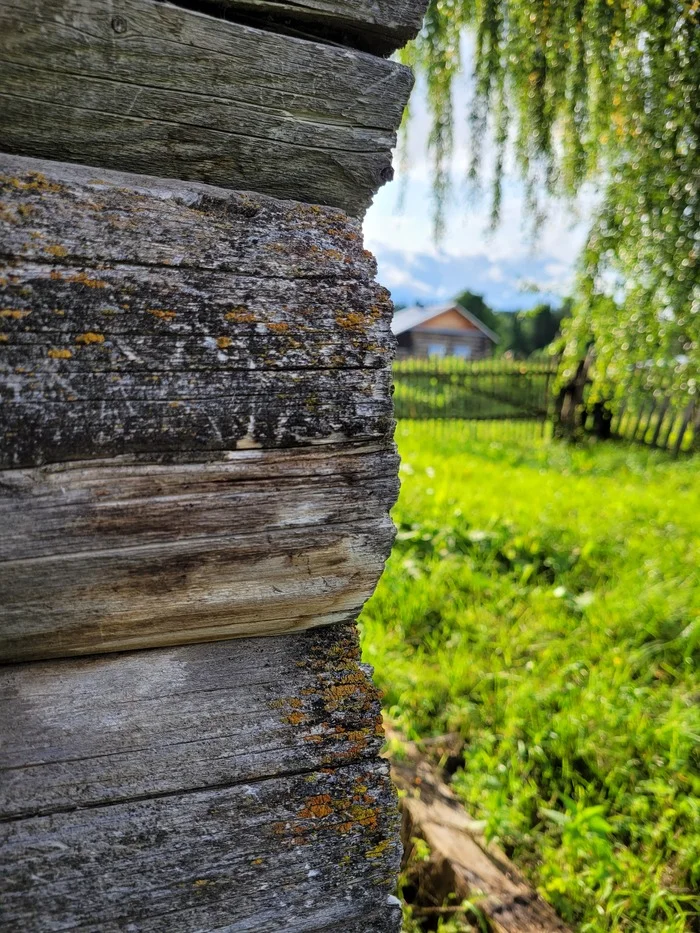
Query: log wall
(149, 87)
(162, 322)
(219, 786)
(195, 451)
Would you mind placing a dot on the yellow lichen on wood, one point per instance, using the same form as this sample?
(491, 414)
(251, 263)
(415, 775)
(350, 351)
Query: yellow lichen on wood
(378, 850)
(36, 181)
(82, 278)
(57, 354)
(240, 315)
(89, 337)
(295, 719)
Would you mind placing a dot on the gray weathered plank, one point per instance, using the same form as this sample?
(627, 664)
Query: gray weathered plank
(232, 786)
(462, 865)
(78, 507)
(375, 27)
(152, 316)
(131, 555)
(148, 87)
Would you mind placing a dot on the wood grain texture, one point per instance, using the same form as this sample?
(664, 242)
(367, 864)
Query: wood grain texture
(232, 786)
(366, 24)
(155, 316)
(196, 414)
(107, 557)
(144, 86)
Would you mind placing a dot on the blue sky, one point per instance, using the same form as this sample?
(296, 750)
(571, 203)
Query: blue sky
(497, 265)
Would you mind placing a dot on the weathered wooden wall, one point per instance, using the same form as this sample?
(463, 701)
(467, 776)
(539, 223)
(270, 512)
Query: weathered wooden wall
(148, 87)
(232, 354)
(195, 445)
(230, 786)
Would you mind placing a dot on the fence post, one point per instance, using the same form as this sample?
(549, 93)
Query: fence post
(687, 418)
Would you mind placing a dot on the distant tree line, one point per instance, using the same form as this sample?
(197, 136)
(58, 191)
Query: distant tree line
(521, 333)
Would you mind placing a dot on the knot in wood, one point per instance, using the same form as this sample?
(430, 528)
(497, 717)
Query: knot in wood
(119, 25)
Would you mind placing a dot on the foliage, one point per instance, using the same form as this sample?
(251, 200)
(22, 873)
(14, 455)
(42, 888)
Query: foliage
(592, 89)
(543, 600)
(476, 305)
(521, 333)
(526, 332)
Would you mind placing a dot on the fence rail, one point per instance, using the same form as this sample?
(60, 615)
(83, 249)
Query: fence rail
(489, 390)
(452, 389)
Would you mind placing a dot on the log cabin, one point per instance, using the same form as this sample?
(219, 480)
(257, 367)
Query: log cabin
(196, 464)
(442, 330)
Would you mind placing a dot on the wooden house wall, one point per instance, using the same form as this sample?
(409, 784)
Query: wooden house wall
(195, 445)
(420, 341)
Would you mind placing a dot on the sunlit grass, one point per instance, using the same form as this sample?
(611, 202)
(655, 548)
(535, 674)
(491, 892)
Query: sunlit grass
(543, 600)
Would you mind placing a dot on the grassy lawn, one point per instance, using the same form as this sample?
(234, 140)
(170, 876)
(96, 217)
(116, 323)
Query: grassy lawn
(543, 601)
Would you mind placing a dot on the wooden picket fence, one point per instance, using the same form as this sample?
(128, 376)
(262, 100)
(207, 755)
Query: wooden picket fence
(520, 392)
(484, 390)
(659, 423)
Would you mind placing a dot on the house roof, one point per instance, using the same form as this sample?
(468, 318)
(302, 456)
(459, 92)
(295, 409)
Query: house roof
(412, 317)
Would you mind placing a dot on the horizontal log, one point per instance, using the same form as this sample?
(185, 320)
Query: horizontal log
(76, 508)
(38, 432)
(152, 316)
(231, 786)
(115, 557)
(71, 214)
(145, 86)
(380, 28)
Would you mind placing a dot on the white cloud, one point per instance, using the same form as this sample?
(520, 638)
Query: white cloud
(556, 269)
(393, 276)
(408, 231)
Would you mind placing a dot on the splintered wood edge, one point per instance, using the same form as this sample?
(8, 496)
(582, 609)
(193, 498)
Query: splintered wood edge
(107, 558)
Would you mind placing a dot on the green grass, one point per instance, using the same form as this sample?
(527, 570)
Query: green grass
(542, 600)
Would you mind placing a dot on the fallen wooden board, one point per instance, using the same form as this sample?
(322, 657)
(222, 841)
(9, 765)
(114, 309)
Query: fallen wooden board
(462, 864)
(144, 86)
(375, 27)
(233, 786)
